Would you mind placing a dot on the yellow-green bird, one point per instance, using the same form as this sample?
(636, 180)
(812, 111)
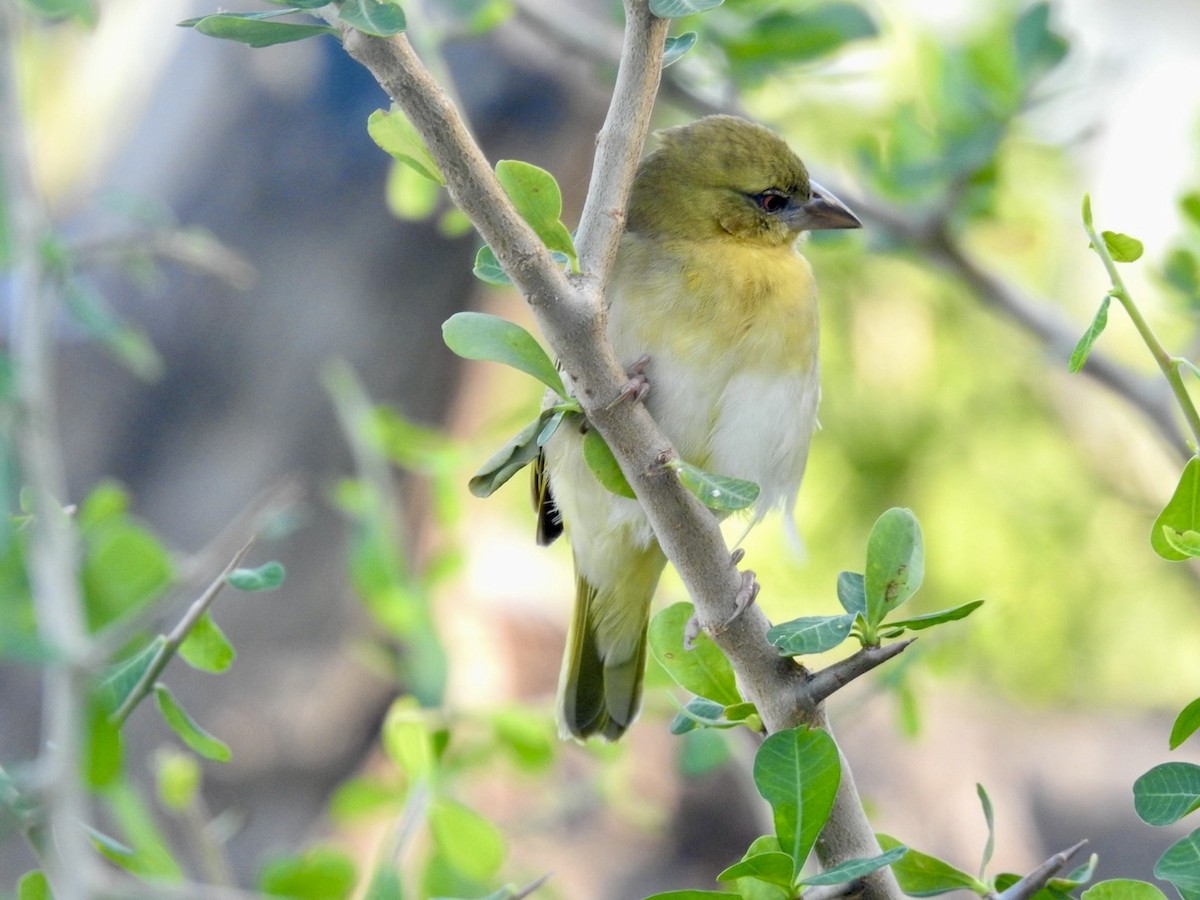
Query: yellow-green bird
(709, 286)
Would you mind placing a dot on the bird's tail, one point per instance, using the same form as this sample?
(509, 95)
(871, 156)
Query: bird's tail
(600, 688)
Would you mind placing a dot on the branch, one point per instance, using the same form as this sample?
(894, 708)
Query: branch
(570, 313)
(52, 554)
(1039, 877)
(823, 683)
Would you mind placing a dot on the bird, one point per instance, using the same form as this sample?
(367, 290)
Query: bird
(713, 308)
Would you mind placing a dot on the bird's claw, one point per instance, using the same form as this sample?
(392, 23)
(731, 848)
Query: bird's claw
(746, 594)
(691, 631)
(638, 385)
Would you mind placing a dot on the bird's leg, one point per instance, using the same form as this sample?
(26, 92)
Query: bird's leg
(638, 385)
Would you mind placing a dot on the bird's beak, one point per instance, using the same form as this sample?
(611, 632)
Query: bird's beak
(822, 211)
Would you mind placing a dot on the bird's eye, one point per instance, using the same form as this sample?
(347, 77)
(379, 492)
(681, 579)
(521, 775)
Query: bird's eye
(771, 201)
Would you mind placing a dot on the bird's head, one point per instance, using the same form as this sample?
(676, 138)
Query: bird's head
(722, 176)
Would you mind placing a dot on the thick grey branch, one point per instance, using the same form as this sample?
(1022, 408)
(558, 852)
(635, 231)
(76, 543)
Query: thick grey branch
(1039, 877)
(822, 684)
(570, 313)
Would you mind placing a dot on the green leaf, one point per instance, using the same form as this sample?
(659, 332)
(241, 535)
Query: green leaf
(535, 194)
(691, 895)
(676, 46)
(102, 751)
(718, 492)
(394, 134)
(206, 647)
(1080, 354)
(125, 567)
(1185, 542)
(774, 867)
(510, 459)
(1167, 793)
(703, 670)
(108, 845)
(127, 343)
(1180, 864)
(700, 712)
(790, 36)
(1182, 512)
(185, 726)
(177, 779)
(1189, 205)
(1038, 47)
(357, 798)
(674, 9)
(408, 739)
(82, 11)
(488, 270)
(853, 869)
(1181, 269)
(921, 875)
(266, 577)
(798, 771)
(1121, 247)
(604, 466)
(1122, 889)
(385, 884)
(150, 859)
(928, 620)
(1081, 875)
(1186, 723)
(120, 679)
(811, 634)
(852, 593)
(525, 735)
(319, 874)
(490, 338)
(468, 842)
(989, 846)
(1087, 210)
(381, 18)
(257, 33)
(34, 886)
(895, 563)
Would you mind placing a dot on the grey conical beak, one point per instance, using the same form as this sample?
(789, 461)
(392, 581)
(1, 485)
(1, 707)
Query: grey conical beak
(822, 211)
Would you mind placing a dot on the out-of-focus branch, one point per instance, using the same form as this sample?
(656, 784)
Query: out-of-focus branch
(52, 554)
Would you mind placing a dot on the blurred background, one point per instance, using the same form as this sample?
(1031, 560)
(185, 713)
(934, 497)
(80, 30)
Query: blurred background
(251, 276)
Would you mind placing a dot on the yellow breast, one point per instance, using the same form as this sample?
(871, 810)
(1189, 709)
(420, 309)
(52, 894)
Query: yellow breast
(728, 303)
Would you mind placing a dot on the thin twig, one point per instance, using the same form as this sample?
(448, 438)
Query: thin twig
(145, 684)
(822, 684)
(1039, 877)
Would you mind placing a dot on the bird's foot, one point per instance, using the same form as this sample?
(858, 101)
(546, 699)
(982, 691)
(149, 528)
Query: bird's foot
(638, 385)
(746, 594)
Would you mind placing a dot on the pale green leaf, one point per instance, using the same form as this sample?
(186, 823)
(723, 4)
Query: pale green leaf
(717, 492)
(774, 867)
(535, 194)
(603, 464)
(266, 577)
(394, 134)
(1080, 354)
(674, 9)
(381, 18)
(797, 772)
(1181, 514)
(258, 33)
(467, 841)
(120, 679)
(1186, 723)
(811, 634)
(490, 338)
(989, 818)
(928, 620)
(319, 874)
(1122, 889)
(852, 592)
(186, 728)
(677, 46)
(34, 886)
(1180, 865)
(1121, 247)
(1167, 793)
(1186, 543)
(853, 869)
(520, 451)
(922, 875)
(206, 647)
(703, 670)
(177, 779)
(895, 563)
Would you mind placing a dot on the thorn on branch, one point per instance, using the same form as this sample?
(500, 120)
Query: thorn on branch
(820, 685)
(1040, 877)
